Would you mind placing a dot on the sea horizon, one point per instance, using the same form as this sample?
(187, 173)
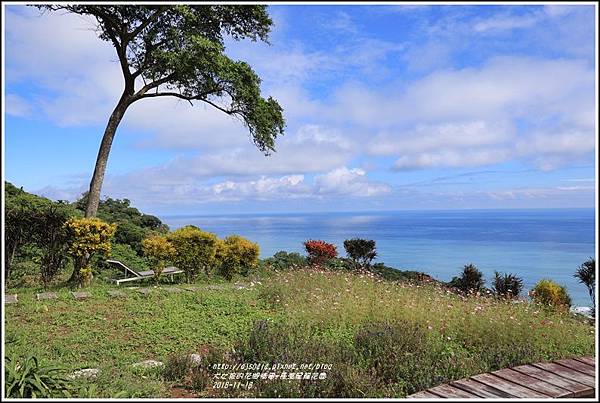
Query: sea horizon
(167, 216)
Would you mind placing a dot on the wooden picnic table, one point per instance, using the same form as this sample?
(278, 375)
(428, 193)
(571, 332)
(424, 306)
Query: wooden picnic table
(574, 377)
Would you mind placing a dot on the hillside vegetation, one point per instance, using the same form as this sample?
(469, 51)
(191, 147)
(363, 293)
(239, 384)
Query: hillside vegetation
(336, 326)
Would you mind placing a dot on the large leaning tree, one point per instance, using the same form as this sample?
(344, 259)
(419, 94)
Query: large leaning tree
(178, 51)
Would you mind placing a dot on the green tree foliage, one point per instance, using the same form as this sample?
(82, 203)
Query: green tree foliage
(178, 51)
(87, 237)
(361, 251)
(236, 255)
(35, 222)
(194, 250)
(132, 225)
(507, 285)
(51, 237)
(547, 292)
(158, 250)
(586, 274)
(470, 280)
(19, 209)
(130, 234)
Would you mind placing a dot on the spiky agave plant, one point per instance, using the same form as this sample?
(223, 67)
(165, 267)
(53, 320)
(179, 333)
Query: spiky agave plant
(28, 379)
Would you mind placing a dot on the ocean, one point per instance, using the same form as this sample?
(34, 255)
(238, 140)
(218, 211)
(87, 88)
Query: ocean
(534, 244)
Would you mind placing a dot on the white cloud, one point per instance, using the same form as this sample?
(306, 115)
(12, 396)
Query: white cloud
(567, 142)
(16, 105)
(444, 136)
(76, 70)
(559, 10)
(289, 186)
(310, 149)
(541, 192)
(344, 181)
(506, 23)
(508, 20)
(429, 121)
(452, 158)
(504, 87)
(153, 186)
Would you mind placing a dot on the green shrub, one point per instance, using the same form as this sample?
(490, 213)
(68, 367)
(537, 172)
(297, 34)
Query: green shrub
(470, 280)
(547, 292)
(19, 225)
(125, 253)
(340, 264)
(28, 379)
(194, 250)
(391, 274)
(177, 367)
(361, 251)
(507, 285)
(35, 221)
(283, 260)
(236, 255)
(50, 237)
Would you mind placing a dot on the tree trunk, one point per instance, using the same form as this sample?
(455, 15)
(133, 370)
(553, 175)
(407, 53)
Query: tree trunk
(8, 259)
(109, 134)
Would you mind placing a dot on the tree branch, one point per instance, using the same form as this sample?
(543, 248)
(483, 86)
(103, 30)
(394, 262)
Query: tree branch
(148, 87)
(149, 48)
(199, 97)
(145, 23)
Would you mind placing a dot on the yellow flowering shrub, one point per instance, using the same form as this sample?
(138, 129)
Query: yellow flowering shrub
(194, 250)
(236, 254)
(87, 237)
(158, 250)
(548, 292)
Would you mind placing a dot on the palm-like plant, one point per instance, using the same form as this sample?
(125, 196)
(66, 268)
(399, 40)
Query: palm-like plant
(507, 285)
(470, 280)
(586, 274)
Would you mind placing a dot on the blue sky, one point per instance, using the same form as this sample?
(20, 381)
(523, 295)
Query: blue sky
(387, 107)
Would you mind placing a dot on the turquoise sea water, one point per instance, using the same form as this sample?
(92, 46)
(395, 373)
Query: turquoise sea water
(535, 244)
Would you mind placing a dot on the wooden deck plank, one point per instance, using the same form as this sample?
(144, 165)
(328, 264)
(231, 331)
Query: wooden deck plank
(512, 388)
(575, 387)
(423, 395)
(587, 360)
(448, 391)
(577, 366)
(567, 373)
(572, 377)
(532, 383)
(480, 389)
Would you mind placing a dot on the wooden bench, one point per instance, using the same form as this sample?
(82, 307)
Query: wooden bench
(562, 378)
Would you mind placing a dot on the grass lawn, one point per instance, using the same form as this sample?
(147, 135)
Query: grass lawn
(442, 336)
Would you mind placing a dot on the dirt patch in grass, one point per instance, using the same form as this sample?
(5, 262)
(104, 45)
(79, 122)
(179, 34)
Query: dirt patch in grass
(179, 392)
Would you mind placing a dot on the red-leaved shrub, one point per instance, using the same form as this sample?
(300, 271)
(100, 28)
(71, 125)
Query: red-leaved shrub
(319, 251)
